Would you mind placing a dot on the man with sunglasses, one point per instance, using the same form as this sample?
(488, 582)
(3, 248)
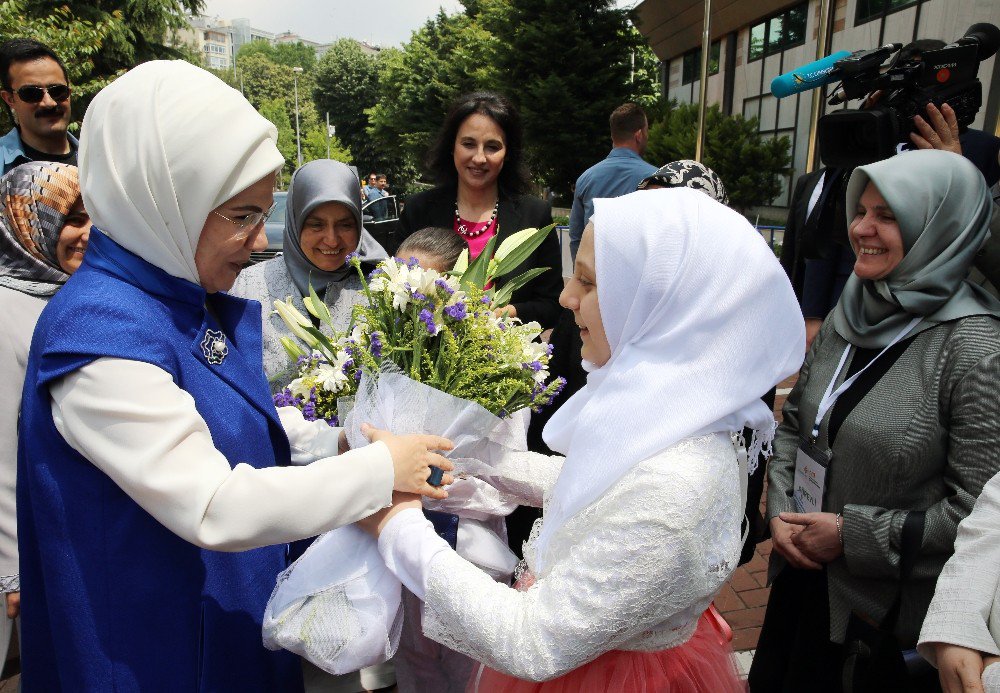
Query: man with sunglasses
(35, 87)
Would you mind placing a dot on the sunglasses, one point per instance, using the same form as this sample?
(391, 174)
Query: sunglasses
(32, 93)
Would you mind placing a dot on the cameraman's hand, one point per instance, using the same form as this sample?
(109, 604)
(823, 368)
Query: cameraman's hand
(412, 460)
(940, 133)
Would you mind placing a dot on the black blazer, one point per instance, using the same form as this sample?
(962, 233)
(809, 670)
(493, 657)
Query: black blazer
(792, 255)
(538, 300)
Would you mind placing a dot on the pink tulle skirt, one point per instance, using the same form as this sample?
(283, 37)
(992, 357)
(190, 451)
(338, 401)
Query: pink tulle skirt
(704, 664)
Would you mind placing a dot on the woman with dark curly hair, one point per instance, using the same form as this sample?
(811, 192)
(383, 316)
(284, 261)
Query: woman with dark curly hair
(478, 166)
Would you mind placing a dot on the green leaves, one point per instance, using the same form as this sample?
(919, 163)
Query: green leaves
(493, 263)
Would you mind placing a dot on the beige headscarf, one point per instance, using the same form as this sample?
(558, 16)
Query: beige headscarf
(161, 147)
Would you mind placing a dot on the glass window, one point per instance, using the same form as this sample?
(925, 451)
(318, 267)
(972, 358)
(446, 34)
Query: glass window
(757, 41)
(781, 31)
(870, 9)
(691, 64)
(795, 25)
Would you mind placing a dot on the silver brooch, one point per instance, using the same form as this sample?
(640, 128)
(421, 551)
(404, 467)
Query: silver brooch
(214, 347)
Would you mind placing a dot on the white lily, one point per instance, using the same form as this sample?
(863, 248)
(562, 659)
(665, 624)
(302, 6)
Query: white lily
(295, 320)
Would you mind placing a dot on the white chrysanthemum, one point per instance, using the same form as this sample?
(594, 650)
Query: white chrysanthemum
(301, 387)
(331, 377)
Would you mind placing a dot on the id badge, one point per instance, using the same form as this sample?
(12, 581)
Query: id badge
(810, 478)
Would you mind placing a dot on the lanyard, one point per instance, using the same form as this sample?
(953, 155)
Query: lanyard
(830, 396)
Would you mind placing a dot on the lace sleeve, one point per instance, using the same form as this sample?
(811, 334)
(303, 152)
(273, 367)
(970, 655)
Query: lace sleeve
(528, 476)
(637, 567)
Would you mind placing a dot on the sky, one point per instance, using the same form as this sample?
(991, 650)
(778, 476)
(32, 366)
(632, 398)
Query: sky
(381, 22)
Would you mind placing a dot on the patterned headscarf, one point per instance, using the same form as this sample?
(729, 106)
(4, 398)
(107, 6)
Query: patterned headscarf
(686, 173)
(35, 199)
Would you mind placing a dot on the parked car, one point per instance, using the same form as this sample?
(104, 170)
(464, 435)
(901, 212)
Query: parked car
(381, 219)
(274, 229)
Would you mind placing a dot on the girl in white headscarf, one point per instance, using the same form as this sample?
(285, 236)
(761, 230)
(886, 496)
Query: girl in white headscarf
(156, 498)
(686, 317)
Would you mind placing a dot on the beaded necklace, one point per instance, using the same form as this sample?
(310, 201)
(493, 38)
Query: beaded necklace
(469, 229)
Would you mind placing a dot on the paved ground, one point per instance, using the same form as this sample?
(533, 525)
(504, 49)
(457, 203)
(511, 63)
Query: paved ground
(743, 598)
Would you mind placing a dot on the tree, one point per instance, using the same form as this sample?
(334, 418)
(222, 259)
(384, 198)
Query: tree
(567, 65)
(98, 39)
(750, 165)
(345, 86)
(295, 54)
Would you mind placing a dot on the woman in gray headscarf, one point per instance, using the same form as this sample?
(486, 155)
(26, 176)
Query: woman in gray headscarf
(44, 231)
(323, 225)
(889, 435)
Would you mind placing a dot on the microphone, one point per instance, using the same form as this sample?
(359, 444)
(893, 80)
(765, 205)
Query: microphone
(810, 76)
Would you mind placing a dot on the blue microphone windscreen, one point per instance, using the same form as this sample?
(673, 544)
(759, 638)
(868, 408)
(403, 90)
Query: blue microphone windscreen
(807, 77)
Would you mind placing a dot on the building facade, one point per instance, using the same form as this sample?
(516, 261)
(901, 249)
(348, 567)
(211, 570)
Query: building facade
(753, 42)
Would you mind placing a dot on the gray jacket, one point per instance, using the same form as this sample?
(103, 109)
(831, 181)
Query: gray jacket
(923, 438)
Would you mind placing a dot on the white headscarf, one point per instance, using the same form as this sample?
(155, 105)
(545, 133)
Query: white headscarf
(161, 147)
(701, 320)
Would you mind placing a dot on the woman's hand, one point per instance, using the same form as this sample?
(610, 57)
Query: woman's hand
(959, 668)
(782, 534)
(508, 311)
(342, 444)
(13, 604)
(375, 523)
(817, 537)
(940, 133)
(412, 460)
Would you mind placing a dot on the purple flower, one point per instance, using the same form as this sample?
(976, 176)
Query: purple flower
(419, 296)
(412, 262)
(351, 256)
(548, 348)
(285, 398)
(357, 375)
(428, 319)
(375, 345)
(457, 311)
(333, 421)
(309, 412)
(348, 364)
(371, 275)
(534, 365)
(444, 285)
(485, 299)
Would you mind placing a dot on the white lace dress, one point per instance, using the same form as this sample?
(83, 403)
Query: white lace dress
(633, 571)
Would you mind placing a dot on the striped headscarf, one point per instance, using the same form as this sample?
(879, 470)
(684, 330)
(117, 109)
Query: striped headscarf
(35, 199)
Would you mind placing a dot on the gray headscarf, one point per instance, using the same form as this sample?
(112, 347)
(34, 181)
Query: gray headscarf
(312, 185)
(35, 199)
(943, 209)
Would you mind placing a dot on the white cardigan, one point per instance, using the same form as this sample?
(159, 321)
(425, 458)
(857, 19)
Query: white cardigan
(150, 439)
(965, 609)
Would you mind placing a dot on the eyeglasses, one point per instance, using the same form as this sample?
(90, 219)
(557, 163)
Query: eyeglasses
(250, 221)
(32, 93)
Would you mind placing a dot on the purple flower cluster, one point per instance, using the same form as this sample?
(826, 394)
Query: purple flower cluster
(534, 365)
(412, 262)
(285, 398)
(441, 283)
(456, 312)
(309, 408)
(351, 256)
(375, 345)
(348, 364)
(427, 318)
(539, 388)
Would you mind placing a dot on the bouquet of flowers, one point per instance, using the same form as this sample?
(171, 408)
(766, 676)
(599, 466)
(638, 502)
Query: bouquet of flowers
(437, 329)
(427, 354)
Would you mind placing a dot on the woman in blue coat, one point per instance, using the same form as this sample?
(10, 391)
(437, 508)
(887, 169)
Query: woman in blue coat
(158, 485)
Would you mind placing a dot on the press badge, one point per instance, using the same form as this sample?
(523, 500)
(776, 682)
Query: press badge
(811, 464)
